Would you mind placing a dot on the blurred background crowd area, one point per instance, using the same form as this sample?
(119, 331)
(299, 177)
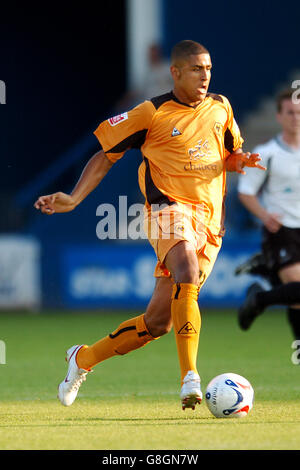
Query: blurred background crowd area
(67, 67)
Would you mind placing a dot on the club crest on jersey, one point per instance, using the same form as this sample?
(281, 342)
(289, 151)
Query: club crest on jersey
(113, 121)
(218, 128)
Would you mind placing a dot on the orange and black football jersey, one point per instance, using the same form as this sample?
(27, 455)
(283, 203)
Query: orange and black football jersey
(183, 149)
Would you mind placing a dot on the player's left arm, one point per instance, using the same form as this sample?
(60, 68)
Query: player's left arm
(235, 158)
(238, 160)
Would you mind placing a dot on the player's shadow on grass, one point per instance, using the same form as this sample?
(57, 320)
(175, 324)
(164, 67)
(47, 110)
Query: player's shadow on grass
(142, 422)
(149, 421)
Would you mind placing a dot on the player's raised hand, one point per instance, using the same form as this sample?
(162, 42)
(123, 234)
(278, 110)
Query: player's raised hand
(57, 202)
(252, 160)
(237, 161)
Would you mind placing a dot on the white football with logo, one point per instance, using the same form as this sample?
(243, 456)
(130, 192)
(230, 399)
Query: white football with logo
(229, 396)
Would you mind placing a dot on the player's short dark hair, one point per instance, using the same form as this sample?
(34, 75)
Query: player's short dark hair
(187, 47)
(282, 96)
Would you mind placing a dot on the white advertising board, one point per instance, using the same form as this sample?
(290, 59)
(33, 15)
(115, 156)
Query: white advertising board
(19, 272)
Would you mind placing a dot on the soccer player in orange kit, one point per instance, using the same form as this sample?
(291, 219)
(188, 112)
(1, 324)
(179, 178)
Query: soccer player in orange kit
(188, 139)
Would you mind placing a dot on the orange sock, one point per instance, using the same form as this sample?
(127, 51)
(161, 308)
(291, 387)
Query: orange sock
(187, 323)
(131, 334)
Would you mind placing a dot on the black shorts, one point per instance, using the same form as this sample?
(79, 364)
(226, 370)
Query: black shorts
(282, 248)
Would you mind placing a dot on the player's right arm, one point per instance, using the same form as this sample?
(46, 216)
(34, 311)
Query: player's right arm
(93, 173)
(116, 135)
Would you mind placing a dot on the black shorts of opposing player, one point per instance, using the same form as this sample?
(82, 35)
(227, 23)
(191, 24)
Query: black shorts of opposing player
(279, 250)
(282, 248)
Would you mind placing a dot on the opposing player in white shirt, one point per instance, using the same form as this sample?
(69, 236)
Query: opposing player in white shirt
(274, 198)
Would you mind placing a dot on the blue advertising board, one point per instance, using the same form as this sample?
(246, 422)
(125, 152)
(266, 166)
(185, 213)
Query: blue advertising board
(121, 276)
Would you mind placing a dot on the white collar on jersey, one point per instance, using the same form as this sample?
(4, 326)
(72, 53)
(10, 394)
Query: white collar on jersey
(279, 140)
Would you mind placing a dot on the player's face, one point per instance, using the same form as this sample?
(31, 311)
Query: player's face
(289, 117)
(191, 78)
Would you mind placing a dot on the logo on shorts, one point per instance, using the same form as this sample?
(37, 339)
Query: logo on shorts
(179, 228)
(284, 255)
(113, 121)
(187, 329)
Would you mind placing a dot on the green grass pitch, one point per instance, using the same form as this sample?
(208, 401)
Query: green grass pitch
(132, 402)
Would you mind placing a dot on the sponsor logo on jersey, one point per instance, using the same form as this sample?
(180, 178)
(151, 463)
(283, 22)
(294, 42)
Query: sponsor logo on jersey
(113, 121)
(191, 167)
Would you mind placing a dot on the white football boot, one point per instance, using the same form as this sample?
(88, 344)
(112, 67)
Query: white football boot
(191, 391)
(68, 389)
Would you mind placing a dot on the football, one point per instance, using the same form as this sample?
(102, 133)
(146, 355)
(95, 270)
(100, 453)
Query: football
(229, 396)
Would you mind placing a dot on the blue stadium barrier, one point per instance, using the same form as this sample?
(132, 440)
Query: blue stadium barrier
(53, 171)
(91, 276)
